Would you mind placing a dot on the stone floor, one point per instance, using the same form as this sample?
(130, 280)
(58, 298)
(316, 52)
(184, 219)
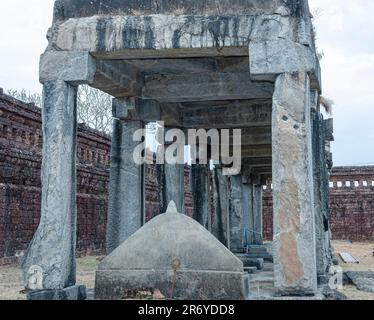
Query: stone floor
(261, 283)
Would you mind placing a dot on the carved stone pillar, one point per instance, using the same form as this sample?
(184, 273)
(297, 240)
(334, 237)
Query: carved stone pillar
(294, 230)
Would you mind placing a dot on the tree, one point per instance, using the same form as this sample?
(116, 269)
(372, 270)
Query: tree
(26, 96)
(94, 106)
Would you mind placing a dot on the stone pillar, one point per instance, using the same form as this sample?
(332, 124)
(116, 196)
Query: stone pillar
(248, 211)
(220, 218)
(294, 231)
(126, 188)
(236, 215)
(320, 211)
(257, 215)
(200, 184)
(171, 184)
(52, 250)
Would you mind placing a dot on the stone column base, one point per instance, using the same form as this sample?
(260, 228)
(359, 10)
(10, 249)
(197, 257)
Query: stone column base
(77, 292)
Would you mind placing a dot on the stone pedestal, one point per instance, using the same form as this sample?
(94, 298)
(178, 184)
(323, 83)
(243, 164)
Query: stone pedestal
(175, 255)
(294, 232)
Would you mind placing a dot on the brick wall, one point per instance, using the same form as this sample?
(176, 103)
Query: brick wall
(351, 204)
(20, 185)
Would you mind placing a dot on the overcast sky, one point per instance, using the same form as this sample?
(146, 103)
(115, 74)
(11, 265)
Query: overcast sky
(345, 33)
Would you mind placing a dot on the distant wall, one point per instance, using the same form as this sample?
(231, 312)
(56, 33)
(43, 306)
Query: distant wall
(351, 204)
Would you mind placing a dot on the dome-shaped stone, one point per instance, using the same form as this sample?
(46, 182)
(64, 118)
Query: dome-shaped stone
(172, 246)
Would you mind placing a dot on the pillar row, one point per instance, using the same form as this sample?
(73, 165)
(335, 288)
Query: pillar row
(294, 230)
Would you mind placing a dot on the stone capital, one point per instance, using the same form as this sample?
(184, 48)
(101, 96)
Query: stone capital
(136, 109)
(72, 67)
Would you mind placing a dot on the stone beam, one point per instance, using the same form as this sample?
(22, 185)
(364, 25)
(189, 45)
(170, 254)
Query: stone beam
(117, 78)
(205, 87)
(294, 238)
(229, 114)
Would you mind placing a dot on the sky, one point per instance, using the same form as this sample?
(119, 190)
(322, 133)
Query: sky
(345, 34)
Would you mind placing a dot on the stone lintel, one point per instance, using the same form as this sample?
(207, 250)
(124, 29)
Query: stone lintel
(73, 67)
(205, 87)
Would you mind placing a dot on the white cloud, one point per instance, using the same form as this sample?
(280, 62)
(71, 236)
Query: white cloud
(344, 34)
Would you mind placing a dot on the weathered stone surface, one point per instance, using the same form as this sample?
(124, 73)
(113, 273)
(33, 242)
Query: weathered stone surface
(71, 293)
(236, 214)
(72, 67)
(53, 246)
(280, 56)
(294, 238)
(136, 109)
(364, 281)
(65, 9)
(228, 114)
(321, 196)
(257, 215)
(249, 261)
(247, 201)
(126, 194)
(221, 218)
(176, 255)
(200, 186)
(205, 87)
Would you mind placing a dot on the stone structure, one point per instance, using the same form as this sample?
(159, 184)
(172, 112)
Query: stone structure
(20, 185)
(175, 255)
(246, 64)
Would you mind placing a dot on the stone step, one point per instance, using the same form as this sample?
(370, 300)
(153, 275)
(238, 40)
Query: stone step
(257, 249)
(266, 256)
(251, 262)
(250, 270)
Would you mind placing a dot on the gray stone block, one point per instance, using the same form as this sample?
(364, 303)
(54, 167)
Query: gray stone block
(73, 67)
(77, 292)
